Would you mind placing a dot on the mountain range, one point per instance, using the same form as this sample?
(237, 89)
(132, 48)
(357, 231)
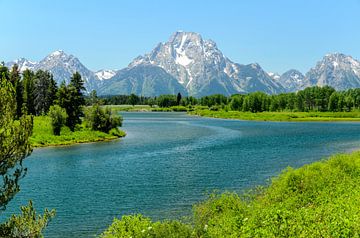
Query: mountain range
(191, 65)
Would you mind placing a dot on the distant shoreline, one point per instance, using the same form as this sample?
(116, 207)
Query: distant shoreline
(281, 116)
(247, 116)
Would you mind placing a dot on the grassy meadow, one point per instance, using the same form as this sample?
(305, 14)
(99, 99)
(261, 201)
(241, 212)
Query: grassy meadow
(43, 136)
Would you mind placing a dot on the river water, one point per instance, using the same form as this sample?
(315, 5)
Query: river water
(166, 163)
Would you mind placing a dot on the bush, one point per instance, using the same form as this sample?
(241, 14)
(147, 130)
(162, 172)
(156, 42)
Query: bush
(27, 224)
(117, 132)
(140, 227)
(58, 118)
(179, 109)
(99, 119)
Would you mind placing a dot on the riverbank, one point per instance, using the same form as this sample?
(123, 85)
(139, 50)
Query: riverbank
(320, 199)
(279, 116)
(146, 108)
(42, 134)
(249, 116)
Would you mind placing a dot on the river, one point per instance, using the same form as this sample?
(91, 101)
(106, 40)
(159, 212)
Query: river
(166, 163)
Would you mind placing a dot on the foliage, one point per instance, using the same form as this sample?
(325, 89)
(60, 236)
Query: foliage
(213, 100)
(312, 99)
(140, 227)
(279, 116)
(71, 98)
(15, 79)
(14, 148)
(14, 143)
(28, 224)
(133, 99)
(93, 99)
(29, 91)
(317, 200)
(178, 99)
(45, 92)
(99, 119)
(43, 134)
(58, 118)
(166, 100)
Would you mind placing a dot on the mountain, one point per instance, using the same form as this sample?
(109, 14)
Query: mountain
(202, 69)
(292, 80)
(336, 70)
(63, 65)
(142, 79)
(188, 64)
(274, 76)
(22, 63)
(105, 74)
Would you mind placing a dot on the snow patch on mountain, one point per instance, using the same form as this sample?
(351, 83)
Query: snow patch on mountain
(105, 74)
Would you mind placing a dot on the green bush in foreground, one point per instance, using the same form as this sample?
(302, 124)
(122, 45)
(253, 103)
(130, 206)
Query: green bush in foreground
(317, 200)
(27, 224)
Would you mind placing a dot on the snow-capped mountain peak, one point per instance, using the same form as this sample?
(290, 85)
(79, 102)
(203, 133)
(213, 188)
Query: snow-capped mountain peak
(337, 70)
(105, 74)
(274, 76)
(22, 63)
(292, 80)
(57, 53)
(202, 68)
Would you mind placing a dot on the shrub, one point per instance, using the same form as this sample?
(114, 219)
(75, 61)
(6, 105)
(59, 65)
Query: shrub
(58, 118)
(140, 227)
(27, 224)
(99, 119)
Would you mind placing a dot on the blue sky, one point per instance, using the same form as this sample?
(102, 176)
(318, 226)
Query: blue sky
(278, 34)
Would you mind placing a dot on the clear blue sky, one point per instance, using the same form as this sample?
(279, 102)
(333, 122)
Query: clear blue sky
(278, 34)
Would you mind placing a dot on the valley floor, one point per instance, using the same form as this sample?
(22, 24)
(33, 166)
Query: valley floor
(42, 134)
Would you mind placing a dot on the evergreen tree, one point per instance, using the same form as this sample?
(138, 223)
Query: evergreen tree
(29, 91)
(45, 92)
(178, 99)
(15, 79)
(93, 98)
(133, 99)
(71, 98)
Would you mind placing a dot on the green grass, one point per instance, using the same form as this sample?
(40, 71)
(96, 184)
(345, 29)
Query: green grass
(146, 108)
(280, 116)
(129, 108)
(317, 200)
(43, 136)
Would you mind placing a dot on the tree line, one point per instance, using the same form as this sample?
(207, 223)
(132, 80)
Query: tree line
(314, 98)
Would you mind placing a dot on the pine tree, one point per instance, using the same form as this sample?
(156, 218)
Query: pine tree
(15, 79)
(29, 91)
(178, 99)
(71, 98)
(45, 92)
